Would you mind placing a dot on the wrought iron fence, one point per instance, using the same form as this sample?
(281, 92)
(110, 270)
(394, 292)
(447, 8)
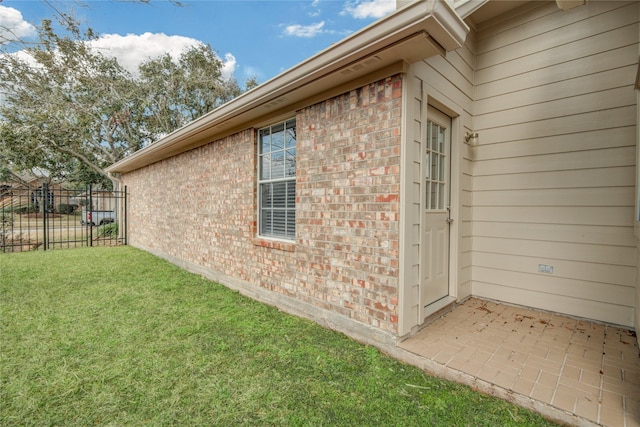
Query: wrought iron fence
(52, 217)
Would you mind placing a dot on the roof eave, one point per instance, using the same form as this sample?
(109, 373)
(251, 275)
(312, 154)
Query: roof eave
(415, 32)
(467, 7)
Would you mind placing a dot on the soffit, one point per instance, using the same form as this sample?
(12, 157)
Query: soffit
(414, 32)
(491, 9)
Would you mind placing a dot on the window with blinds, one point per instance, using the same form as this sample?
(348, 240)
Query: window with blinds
(277, 180)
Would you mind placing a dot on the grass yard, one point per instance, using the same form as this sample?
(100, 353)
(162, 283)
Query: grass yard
(115, 336)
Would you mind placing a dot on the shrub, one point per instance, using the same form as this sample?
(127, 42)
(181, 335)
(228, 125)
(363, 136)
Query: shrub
(26, 209)
(64, 208)
(108, 230)
(6, 226)
(6, 221)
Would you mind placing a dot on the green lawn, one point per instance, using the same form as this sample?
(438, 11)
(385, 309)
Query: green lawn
(115, 336)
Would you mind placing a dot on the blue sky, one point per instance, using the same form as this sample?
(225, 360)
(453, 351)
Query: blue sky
(254, 38)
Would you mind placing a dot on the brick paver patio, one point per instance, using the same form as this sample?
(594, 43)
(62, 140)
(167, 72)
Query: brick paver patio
(585, 369)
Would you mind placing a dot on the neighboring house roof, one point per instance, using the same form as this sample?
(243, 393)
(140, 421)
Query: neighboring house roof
(21, 178)
(25, 178)
(414, 32)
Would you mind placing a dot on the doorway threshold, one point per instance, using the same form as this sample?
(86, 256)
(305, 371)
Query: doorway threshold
(435, 308)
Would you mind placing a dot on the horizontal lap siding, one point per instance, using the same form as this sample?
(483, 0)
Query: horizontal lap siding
(445, 82)
(450, 78)
(411, 310)
(554, 176)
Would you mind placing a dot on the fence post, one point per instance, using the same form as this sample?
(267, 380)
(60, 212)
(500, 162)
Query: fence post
(125, 218)
(45, 229)
(90, 214)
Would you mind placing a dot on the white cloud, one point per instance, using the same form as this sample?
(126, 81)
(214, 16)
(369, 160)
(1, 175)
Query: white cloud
(133, 49)
(13, 26)
(229, 64)
(130, 50)
(306, 31)
(316, 5)
(362, 9)
(249, 72)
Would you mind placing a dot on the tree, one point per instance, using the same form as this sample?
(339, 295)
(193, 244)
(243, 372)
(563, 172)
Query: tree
(65, 103)
(250, 83)
(72, 111)
(179, 91)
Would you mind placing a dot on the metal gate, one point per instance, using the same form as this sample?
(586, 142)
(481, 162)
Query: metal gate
(52, 217)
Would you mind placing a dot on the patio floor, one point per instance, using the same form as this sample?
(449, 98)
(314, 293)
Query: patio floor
(570, 370)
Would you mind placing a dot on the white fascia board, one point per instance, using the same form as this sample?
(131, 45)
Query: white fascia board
(412, 33)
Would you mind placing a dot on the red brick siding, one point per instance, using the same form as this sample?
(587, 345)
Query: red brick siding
(347, 213)
(200, 206)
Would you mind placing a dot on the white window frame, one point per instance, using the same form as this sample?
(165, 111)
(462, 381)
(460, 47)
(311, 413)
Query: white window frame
(275, 177)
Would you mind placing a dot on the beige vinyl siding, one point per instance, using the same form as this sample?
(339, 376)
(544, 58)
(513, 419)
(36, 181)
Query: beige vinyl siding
(411, 185)
(446, 82)
(459, 87)
(554, 176)
(452, 78)
(637, 224)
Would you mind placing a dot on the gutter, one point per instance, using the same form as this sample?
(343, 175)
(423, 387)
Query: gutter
(412, 33)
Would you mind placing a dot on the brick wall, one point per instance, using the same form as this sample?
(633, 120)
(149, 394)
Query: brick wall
(200, 207)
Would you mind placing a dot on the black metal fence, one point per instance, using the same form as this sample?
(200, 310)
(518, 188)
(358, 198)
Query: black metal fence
(52, 217)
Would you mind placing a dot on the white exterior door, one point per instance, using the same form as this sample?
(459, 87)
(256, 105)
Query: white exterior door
(437, 212)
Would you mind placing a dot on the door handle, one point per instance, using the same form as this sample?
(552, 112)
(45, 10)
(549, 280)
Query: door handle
(449, 219)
